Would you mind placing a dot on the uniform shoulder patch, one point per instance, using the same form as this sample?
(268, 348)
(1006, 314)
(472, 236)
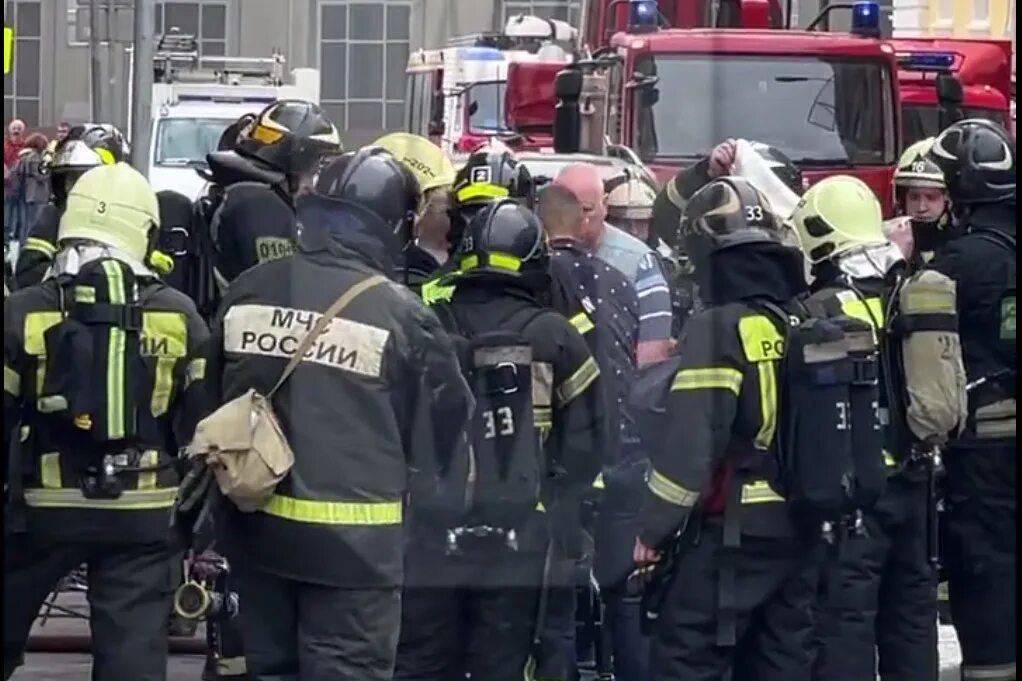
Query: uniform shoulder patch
(761, 341)
(273, 331)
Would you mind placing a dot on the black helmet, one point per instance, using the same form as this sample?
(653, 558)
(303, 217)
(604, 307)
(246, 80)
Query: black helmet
(727, 212)
(290, 135)
(977, 158)
(782, 166)
(85, 147)
(235, 132)
(377, 182)
(505, 239)
(493, 173)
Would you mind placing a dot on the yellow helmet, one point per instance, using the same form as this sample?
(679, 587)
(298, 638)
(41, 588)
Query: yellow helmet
(917, 169)
(837, 215)
(631, 200)
(112, 205)
(426, 160)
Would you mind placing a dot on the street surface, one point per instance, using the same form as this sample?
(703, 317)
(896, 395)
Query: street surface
(75, 667)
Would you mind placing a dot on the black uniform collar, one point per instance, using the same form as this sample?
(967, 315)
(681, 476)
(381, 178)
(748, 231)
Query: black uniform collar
(999, 216)
(344, 229)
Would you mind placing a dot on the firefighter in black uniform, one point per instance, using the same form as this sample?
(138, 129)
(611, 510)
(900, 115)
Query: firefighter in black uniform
(85, 147)
(977, 158)
(744, 576)
(490, 173)
(477, 611)
(889, 606)
(380, 397)
(102, 397)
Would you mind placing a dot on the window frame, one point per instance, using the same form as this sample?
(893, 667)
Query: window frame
(73, 9)
(11, 11)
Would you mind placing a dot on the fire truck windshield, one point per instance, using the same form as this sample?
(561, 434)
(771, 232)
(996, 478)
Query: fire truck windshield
(486, 107)
(818, 110)
(186, 141)
(922, 121)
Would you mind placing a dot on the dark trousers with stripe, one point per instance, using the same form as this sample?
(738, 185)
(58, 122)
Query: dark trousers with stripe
(887, 604)
(130, 593)
(295, 631)
(980, 555)
(775, 584)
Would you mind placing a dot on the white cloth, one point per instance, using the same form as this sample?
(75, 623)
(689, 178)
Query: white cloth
(754, 168)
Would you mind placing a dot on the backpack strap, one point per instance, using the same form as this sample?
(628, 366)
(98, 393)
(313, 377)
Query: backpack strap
(321, 325)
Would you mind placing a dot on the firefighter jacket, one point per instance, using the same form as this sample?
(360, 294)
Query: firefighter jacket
(40, 247)
(723, 404)
(670, 201)
(379, 399)
(984, 271)
(568, 402)
(415, 267)
(52, 468)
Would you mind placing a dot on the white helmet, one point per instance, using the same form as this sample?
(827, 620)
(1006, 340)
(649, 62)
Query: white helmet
(113, 205)
(631, 200)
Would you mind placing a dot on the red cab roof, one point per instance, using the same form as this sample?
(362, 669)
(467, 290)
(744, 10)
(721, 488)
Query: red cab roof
(753, 41)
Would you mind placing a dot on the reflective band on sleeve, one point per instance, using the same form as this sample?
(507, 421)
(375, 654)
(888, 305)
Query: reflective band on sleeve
(163, 385)
(674, 196)
(12, 382)
(231, 666)
(149, 459)
(582, 323)
(40, 246)
(598, 482)
(714, 378)
(889, 460)
(578, 382)
(768, 405)
(670, 491)
(1004, 428)
(759, 493)
(49, 471)
(130, 500)
(196, 371)
(115, 355)
(334, 512)
(995, 672)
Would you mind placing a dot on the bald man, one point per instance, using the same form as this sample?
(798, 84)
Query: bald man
(629, 255)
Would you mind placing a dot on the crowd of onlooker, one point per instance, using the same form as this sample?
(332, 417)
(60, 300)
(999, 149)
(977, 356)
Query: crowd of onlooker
(26, 188)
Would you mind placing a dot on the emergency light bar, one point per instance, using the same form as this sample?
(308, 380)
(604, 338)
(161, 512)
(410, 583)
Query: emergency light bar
(643, 15)
(228, 98)
(937, 62)
(866, 19)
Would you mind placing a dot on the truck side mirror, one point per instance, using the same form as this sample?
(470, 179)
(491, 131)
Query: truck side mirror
(567, 119)
(950, 97)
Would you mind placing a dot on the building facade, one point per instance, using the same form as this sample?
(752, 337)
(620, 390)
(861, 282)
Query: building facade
(956, 18)
(360, 47)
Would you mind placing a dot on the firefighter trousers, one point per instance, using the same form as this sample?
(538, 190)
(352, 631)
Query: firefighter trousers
(887, 604)
(295, 631)
(460, 626)
(130, 591)
(775, 588)
(980, 553)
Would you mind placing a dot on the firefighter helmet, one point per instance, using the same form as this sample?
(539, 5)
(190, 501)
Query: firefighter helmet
(291, 136)
(504, 239)
(917, 169)
(837, 215)
(977, 158)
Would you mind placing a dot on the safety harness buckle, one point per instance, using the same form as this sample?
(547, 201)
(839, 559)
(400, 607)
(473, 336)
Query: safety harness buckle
(502, 379)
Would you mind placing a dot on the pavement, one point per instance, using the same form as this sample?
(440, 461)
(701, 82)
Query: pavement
(77, 667)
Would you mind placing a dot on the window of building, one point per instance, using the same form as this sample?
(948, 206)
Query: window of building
(21, 86)
(205, 19)
(981, 13)
(363, 55)
(565, 10)
(945, 11)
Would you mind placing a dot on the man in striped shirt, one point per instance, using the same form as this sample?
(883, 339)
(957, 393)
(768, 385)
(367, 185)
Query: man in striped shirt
(633, 258)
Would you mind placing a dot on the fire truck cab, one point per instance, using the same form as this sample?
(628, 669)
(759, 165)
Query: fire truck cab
(456, 95)
(827, 100)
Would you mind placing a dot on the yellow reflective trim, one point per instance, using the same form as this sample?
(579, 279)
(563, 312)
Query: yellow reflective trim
(540, 508)
(36, 326)
(582, 323)
(1004, 428)
(598, 482)
(8, 49)
(433, 292)
(12, 382)
(542, 417)
(265, 134)
(164, 334)
(501, 261)
(889, 460)
(768, 405)
(870, 310)
(163, 385)
(231, 666)
(673, 195)
(542, 384)
(105, 156)
(130, 500)
(149, 459)
(25, 432)
(670, 491)
(760, 339)
(481, 191)
(49, 471)
(713, 378)
(85, 294)
(759, 493)
(40, 246)
(334, 512)
(196, 371)
(115, 355)
(578, 382)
